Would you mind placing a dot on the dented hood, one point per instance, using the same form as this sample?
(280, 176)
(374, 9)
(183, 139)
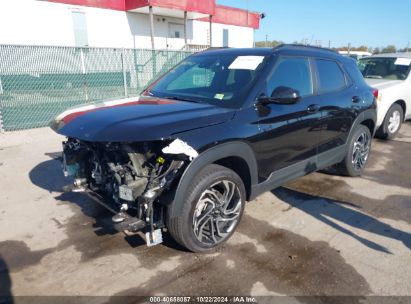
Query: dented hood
(137, 119)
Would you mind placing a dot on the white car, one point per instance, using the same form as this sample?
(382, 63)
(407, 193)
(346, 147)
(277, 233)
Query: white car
(356, 55)
(390, 75)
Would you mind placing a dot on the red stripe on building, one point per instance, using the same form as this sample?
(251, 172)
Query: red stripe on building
(235, 16)
(203, 6)
(221, 14)
(118, 5)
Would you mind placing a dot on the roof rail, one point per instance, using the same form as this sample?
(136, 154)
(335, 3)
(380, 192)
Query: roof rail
(304, 46)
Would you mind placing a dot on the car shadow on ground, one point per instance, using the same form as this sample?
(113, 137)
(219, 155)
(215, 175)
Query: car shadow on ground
(331, 212)
(48, 175)
(6, 296)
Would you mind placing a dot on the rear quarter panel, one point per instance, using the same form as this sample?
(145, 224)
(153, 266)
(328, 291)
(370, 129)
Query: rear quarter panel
(389, 95)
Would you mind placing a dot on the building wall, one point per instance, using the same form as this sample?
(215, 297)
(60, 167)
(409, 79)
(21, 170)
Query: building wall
(30, 22)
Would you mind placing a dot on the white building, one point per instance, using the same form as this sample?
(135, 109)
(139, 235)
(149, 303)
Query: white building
(161, 24)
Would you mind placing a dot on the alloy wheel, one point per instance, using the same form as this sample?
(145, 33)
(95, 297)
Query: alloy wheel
(394, 122)
(217, 212)
(361, 151)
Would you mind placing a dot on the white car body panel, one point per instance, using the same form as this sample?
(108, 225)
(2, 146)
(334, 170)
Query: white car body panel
(391, 91)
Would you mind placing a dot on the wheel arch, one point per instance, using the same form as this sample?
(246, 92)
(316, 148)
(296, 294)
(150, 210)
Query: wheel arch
(370, 124)
(403, 105)
(367, 118)
(239, 166)
(237, 156)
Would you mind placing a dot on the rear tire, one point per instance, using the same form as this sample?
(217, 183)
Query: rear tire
(212, 209)
(357, 153)
(392, 123)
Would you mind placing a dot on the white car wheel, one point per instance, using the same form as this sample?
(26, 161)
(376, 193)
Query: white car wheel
(394, 122)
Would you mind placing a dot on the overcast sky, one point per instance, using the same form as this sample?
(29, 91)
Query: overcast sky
(375, 23)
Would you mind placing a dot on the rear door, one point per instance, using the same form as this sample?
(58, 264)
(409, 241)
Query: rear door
(339, 99)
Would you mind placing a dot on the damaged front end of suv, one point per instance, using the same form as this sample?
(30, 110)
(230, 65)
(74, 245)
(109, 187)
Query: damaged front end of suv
(124, 155)
(127, 178)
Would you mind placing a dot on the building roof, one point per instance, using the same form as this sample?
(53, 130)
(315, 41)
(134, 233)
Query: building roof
(196, 9)
(394, 55)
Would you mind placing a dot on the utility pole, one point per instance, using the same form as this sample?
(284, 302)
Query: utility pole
(150, 9)
(349, 48)
(329, 44)
(266, 40)
(185, 29)
(408, 46)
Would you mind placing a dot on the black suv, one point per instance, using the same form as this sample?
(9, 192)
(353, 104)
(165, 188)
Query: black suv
(220, 128)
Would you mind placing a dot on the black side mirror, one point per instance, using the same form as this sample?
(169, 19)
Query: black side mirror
(282, 95)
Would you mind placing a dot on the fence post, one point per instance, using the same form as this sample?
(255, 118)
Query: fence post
(1, 119)
(123, 65)
(83, 69)
(1, 110)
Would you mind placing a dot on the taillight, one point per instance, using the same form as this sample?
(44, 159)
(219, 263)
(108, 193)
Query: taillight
(375, 93)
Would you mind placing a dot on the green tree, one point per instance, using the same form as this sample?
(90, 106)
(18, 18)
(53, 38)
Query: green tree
(362, 48)
(389, 49)
(272, 43)
(376, 51)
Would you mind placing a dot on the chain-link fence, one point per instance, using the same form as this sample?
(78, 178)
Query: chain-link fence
(38, 82)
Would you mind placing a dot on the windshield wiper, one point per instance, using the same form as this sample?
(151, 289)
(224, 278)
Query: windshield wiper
(374, 76)
(179, 98)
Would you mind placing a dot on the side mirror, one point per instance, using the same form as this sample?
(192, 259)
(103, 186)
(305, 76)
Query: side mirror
(285, 95)
(282, 95)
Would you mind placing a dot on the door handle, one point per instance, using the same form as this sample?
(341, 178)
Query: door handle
(314, 108)
(356, 99)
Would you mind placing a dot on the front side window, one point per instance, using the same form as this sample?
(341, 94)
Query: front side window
(294, 73)
(222, 80)
(385, 68)
(330, 76)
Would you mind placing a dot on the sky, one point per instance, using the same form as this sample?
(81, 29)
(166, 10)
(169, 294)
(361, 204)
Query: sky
(375, 23)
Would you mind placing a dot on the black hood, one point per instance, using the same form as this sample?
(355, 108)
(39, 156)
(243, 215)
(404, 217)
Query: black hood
(138, 119)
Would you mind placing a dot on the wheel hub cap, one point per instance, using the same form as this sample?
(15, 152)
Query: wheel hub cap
(394, 122)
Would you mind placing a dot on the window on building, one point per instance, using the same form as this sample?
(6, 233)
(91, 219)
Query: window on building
(225, 37)
(175, 30)
(294, 73)
(80, 28)
(331, 77)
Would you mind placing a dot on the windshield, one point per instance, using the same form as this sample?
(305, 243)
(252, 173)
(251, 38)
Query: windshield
(385, 68)
(222, 80)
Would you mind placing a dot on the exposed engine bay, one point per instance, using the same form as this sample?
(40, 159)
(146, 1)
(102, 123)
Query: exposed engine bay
(131, 180)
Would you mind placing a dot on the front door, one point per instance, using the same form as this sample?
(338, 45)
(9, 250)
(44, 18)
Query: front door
(290, 133)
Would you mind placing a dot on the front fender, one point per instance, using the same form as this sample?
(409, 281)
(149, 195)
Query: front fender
(209, 156)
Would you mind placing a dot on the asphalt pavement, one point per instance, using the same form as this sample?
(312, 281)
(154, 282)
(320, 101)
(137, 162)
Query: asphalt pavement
(320, 235)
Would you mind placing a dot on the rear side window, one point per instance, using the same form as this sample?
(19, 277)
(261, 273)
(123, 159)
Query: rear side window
(291, 72)
(330, 76)
(354, 72)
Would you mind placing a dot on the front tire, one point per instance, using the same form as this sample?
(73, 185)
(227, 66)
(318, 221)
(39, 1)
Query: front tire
(212, 209)
(392, 123)
(357, 153)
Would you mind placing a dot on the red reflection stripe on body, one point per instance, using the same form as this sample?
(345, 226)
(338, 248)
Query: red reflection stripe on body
(66, 119)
